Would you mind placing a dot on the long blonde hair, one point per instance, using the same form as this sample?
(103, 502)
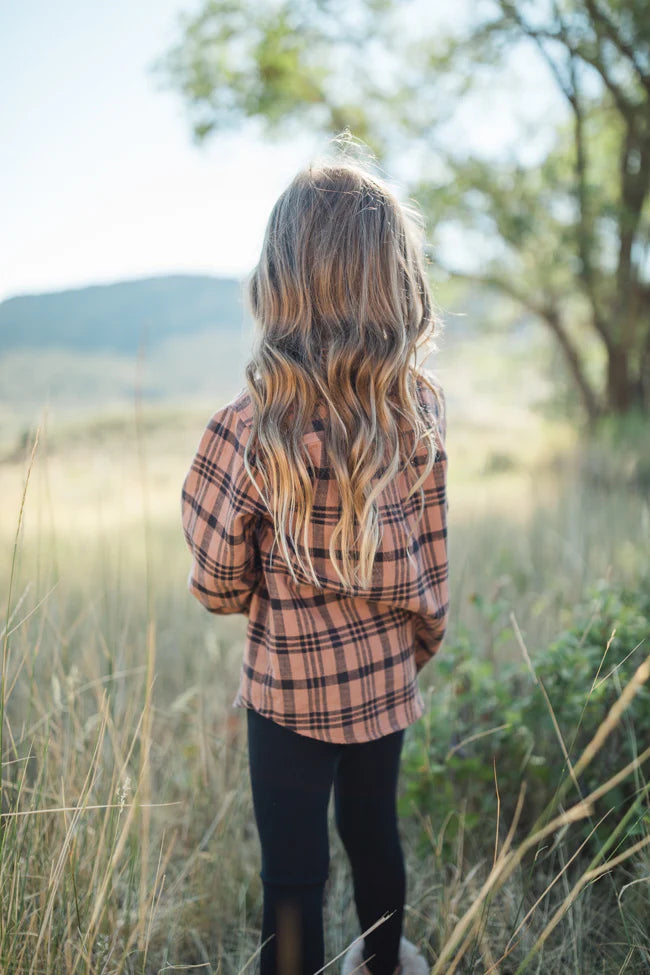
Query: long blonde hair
(341, 303)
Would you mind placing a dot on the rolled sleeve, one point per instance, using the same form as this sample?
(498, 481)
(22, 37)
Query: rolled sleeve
(219, 519)
(431, 633)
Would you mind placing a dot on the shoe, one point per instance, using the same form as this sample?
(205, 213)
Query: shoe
(411, 962)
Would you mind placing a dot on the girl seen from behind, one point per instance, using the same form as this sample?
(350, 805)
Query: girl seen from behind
(316, 506)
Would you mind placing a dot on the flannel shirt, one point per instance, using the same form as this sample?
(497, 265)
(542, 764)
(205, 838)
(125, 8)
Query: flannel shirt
(329, 664)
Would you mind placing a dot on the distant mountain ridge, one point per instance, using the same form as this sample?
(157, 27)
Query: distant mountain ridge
(118, 317)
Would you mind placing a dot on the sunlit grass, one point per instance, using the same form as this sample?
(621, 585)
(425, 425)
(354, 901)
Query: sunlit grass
(128, 842)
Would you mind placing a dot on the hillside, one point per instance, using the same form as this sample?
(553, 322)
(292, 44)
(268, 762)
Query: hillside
(73, 354)
(119, 317)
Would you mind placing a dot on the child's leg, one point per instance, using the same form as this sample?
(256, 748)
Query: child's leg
(291, 780)
(365, 796)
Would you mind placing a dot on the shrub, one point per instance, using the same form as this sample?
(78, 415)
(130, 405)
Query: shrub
(488, 718)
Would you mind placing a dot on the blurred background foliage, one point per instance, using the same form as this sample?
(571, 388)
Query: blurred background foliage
(566, 228)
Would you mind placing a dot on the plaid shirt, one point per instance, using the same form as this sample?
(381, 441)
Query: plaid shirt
(337, 666)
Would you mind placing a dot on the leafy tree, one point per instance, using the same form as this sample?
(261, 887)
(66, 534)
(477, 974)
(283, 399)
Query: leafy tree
(568, 236)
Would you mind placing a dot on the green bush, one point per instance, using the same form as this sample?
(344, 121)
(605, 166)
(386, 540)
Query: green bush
(515, 737)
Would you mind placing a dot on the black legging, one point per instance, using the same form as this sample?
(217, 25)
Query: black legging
(291, 780)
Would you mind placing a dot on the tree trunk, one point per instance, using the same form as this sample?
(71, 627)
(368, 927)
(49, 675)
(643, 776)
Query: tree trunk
(620, 384)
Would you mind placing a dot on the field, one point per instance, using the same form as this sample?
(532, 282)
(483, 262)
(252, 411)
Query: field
(128, 841)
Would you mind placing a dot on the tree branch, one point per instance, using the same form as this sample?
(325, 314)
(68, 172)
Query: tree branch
(536, 35)
(548, 313)
(584, 227)
(625, 105)
(612, 33)
(635, 184)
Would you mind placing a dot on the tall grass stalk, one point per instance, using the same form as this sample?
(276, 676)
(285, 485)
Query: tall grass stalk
(612, 719)
(506, 862)
(5, 639)
(10, 590)
(145, 768)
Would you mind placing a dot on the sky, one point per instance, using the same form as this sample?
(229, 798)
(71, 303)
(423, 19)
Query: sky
(100, 180)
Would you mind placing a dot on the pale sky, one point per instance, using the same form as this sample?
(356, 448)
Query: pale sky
(100, 180)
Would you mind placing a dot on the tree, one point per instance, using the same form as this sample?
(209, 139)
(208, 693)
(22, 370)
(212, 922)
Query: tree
(569, 234)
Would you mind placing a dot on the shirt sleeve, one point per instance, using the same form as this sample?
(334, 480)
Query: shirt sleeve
(431, 629)
(219, 516)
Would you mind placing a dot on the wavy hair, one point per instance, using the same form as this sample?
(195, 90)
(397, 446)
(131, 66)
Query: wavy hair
(342, 305)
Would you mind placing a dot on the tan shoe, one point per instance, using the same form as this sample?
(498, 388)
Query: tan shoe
(411, 962)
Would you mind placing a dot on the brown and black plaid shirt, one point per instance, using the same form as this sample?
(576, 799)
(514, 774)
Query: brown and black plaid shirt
(337, 666)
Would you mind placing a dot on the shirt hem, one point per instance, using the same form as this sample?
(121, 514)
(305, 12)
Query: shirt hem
(351, 734)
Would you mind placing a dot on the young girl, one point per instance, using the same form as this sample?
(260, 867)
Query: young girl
(333, 456)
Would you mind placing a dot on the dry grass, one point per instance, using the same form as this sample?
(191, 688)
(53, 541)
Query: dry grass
(127, 838)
